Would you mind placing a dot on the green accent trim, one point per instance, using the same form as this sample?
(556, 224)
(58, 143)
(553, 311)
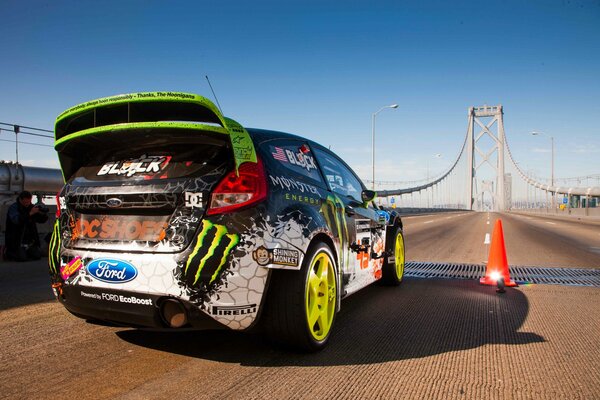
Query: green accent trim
(243, 147)
(54, 250)
(140, 125)
(206, 225)
(144, 97)
(234, 241)
(221, 231)
(241, 143)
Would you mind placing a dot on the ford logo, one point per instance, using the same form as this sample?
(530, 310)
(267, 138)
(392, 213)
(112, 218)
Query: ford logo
(114, 202)
(112, 271)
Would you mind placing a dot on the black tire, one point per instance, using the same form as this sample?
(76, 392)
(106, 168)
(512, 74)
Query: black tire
(286, 319)
(393, 271)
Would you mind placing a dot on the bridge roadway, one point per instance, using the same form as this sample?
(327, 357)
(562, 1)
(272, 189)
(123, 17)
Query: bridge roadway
(434, 338)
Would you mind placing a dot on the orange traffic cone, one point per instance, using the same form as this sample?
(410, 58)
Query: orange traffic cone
(497, 266)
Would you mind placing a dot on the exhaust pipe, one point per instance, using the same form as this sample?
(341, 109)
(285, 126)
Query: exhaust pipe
(173, 313)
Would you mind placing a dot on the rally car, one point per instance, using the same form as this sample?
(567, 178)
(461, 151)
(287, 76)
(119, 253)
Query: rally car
(174, 216)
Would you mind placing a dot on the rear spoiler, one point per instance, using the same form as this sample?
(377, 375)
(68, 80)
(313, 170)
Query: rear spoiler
(151, 110)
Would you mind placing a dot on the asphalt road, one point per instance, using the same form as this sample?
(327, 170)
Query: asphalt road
(529, 240)
(445, 339)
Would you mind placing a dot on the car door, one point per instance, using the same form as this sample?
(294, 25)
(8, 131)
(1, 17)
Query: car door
(365, 236)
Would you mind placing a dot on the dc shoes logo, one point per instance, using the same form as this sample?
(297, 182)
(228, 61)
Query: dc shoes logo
(193, 200)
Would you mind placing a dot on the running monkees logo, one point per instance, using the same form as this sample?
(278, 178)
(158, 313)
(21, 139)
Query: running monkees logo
(264, 256)
(143, 165)
(298, 158)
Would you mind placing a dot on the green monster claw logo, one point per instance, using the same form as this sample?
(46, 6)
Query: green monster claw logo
(333, 210)
(54, 249)
(212, 247)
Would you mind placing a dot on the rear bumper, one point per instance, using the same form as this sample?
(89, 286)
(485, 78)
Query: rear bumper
(128, 308)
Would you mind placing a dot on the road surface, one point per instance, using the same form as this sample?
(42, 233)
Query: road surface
(446, 339)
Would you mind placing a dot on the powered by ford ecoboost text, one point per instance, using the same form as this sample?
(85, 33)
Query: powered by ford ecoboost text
(174, 216)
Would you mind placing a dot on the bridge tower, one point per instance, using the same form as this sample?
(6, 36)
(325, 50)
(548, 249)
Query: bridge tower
(494, 128)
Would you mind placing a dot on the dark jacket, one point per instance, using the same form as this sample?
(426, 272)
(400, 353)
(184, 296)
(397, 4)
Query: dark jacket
(21, 227)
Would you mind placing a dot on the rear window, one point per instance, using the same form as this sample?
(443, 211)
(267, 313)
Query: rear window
(167, 161)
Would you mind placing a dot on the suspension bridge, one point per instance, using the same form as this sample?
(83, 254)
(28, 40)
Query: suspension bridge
(480, 179)
(467, 186)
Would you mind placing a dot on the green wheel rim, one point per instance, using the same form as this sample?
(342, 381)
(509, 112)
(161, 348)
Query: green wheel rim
(321, 296)
(399, 256)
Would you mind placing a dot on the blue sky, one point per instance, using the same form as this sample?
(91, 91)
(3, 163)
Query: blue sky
(320, 69)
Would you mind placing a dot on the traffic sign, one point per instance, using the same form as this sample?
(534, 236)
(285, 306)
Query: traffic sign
(565, 200)
(393, 200)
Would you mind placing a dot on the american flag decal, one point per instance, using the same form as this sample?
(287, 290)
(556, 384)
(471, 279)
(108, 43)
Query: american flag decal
(279, 154)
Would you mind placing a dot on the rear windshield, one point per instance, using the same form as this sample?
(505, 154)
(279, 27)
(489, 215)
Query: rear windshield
(165, 161)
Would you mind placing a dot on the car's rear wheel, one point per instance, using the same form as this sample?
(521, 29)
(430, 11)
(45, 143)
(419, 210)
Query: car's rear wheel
(393, 271)
(301, 306)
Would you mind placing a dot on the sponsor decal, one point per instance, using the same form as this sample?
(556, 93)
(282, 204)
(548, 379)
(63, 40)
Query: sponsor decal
(279, 154)
(243, 148)
(233, 310)
(363, 225)
(208, 257)
(112, 270)
(303, 199)
(117, 298)
(72, 267)
(193, 200)
(292, 184)
(144, 165)
(302, 160)
(264, 256)
(333, 211)
(295, 158)
(114, 202)
(384, 217)
(120, 227)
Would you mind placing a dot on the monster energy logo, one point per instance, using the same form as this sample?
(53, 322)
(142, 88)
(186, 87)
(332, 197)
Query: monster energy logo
(54, 249)
(209, 255)
(333, 211)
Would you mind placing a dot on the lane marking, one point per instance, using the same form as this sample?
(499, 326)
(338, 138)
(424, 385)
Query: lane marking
(487, 223)
(448, 217)
(487, 239)
(551, 223)
(428, 222)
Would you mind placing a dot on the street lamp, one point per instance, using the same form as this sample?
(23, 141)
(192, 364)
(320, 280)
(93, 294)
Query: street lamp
(373, 137)
(534, 133)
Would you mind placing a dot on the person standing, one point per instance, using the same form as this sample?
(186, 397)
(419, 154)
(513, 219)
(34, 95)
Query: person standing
(22, 239)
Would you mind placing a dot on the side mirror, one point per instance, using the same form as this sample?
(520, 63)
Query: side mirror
(368, 195)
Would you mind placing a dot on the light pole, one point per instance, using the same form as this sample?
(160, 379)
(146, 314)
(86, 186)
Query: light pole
(534, 133)
(373, 137)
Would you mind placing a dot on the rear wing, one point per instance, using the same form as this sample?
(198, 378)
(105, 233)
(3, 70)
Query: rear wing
(145, 111)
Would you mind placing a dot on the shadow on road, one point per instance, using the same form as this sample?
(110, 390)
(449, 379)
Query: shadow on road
(378, 324)
(24, 283)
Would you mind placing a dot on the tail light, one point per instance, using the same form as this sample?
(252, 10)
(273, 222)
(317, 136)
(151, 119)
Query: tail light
(57, 204)
(239, 190)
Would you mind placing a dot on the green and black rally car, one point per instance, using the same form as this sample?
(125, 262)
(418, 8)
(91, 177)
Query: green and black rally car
(174, 216)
